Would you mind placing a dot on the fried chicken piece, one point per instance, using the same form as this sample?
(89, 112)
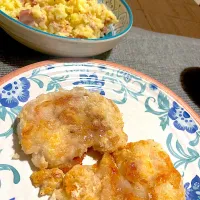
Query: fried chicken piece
(140, 171)
(100, 181)
(57, 128)
(149, 170)
(48, 180)
(82, 183)
(97, 182)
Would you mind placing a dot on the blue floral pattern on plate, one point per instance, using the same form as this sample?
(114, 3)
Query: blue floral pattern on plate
(15, 92)
(16, 175)
(153, 86)
(182, 119)
(184, 157)
(91, 82)
(193, 189)
(125, 75)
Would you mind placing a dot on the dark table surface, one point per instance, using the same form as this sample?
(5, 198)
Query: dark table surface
(167, 58)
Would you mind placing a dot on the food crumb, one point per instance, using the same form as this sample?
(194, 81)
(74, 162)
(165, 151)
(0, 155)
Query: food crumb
(15, 156)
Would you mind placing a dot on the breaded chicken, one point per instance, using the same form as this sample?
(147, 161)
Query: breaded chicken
(82, 183)
(140, 171)
(48, 180)
(57, 128)
(98, 182)
(149, 170)
(113, 185)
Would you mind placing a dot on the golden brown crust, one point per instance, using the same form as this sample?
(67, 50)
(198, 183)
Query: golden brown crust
(150, 171)
(140, 171)
(60, 126)
(48, 180)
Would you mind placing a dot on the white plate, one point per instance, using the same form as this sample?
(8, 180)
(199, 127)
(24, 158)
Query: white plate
(150, 111)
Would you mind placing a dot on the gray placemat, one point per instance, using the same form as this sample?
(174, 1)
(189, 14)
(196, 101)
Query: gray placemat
(160, 56)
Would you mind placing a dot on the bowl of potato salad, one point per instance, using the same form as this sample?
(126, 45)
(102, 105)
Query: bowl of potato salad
(67, 28)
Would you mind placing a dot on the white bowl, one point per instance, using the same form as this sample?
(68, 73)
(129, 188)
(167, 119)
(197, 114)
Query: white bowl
(70, 47)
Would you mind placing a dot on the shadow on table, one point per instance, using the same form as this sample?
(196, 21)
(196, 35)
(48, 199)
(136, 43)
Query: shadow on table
(15, 54)
(190, 78)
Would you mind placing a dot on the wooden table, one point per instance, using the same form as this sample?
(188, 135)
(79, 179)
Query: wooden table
(178, 17)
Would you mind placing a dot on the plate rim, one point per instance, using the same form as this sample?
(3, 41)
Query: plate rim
(26, 68)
